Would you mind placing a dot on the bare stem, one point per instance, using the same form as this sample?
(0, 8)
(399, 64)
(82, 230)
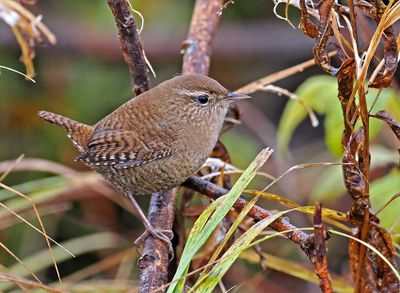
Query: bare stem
(321, 259)
(197, 47)
(131, 45)
(155, 257)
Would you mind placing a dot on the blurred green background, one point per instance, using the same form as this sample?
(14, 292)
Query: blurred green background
(84, 77)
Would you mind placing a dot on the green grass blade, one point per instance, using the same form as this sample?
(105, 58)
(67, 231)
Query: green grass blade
(231, 230)
(217, 272)
(196, 231)
(198, 237)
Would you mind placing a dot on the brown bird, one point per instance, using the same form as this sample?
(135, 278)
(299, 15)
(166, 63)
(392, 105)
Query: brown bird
(156, 140)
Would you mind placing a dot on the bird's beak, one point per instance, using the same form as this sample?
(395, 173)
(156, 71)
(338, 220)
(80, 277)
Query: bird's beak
(235, 96)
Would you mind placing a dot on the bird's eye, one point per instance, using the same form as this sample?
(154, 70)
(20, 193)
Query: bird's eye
(203, 99)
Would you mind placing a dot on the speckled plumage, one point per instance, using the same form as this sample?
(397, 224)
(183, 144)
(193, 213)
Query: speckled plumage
(155, 141)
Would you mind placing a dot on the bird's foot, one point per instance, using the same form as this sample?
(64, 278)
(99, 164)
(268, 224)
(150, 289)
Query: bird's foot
(163, 235)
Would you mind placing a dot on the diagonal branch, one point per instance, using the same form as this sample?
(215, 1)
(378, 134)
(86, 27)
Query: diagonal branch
(131, 45)
(257, 213)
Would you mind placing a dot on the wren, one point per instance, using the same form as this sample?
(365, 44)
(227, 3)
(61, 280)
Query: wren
(156, 140)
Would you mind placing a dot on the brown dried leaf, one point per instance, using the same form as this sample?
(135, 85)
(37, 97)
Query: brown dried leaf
(220, 152)
(306, 25)
(375, 10)
(28, 30)
(321, 56)
(390, 56)
(354, 179)
(345, 83)
(377, 276)
(393, 124)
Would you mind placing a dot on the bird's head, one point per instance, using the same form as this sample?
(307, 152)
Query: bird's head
(198, 95)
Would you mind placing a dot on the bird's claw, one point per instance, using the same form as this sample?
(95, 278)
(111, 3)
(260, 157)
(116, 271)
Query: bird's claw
(162, 234)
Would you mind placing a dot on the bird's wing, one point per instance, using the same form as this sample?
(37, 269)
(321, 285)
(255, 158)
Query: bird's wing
(122, 149)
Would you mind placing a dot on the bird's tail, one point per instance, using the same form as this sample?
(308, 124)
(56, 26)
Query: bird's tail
(78, 132)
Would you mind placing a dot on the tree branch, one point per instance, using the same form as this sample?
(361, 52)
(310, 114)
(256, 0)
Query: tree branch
(197, 47)
(299, 237)
(131, 45)
(154, 262)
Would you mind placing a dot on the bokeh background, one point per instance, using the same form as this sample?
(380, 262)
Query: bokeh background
(84, 77)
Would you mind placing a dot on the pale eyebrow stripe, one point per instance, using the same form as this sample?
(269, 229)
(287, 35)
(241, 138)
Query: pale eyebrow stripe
(191, 93)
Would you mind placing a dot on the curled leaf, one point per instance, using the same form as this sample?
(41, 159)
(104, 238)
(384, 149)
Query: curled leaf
(354, 179)
(345, 83)
(377, 274)
(306, 24)
(390, 57)
(393, 124)
(321, 56)
(376, 10)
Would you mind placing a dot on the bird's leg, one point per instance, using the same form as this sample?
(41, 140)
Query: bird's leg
(162, 234)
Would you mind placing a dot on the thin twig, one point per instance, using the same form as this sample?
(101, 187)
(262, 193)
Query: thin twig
(281, 91)
(273, 77)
